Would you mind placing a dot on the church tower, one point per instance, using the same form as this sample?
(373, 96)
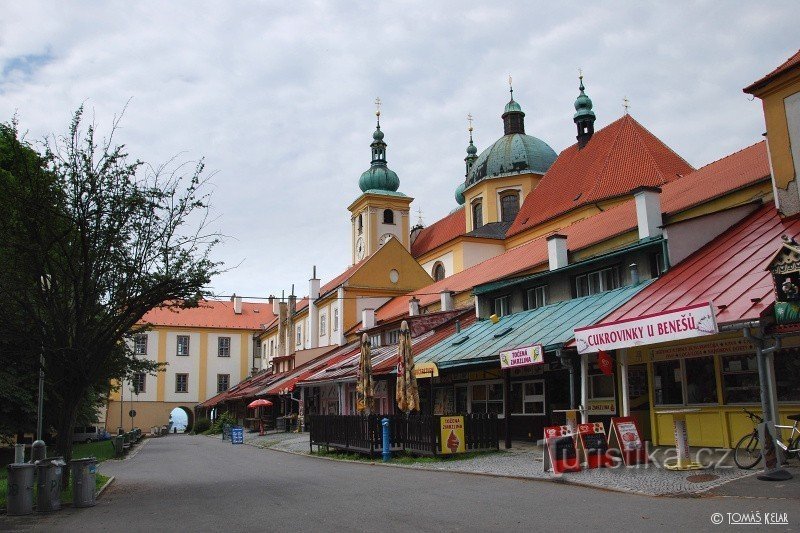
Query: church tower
(584, 116)
(381, 212)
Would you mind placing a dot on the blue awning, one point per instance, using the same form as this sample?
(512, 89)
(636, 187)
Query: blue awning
(552, 326)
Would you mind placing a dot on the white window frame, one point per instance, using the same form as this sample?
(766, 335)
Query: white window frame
(531, 397)
(375, 340)
(541, 291)
(299, 335)
(323, 324)
(486, 383)
(393, 336)
(140, 344)
(335, 319)
(222, 350)
(504, 307)
(601, 285)
(178, 344)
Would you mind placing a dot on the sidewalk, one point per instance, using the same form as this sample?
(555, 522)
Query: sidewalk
(524, 460)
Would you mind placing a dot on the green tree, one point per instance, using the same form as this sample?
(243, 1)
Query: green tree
(96, 241)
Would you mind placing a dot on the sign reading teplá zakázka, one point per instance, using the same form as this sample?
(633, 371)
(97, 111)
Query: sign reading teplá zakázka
(526, 355)
(676, 324)
(452, 435)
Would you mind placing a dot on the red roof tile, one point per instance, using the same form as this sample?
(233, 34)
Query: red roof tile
(729, 271)
(212, 314)
(786, 66)
(618, 158)
(443, 230)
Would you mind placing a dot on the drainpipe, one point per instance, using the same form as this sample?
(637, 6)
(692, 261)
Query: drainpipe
(566, 360)
(584, 388)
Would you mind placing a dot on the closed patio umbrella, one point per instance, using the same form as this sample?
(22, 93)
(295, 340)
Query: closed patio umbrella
(407, 393)
(364, 390)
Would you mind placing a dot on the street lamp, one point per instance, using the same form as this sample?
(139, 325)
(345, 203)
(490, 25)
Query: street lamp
(45, 283)
(133, 413)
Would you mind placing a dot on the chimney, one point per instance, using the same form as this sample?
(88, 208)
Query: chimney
(237, 304)
(648, 211)
(413, 306)
(557, 251)
(313, 312)
(274, 302)
(446, 297)
(367, 319)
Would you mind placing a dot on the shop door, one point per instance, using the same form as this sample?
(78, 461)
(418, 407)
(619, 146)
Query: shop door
(639, 399)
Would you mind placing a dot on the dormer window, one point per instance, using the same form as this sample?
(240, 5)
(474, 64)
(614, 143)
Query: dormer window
(388, 216)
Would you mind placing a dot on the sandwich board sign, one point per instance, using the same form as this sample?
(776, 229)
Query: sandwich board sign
(625, 431)
(561, 452)
(592, 438)
(452, 435)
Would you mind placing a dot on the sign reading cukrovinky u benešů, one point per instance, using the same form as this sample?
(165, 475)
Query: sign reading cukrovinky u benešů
(672, 325)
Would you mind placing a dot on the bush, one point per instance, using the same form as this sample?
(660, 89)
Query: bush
(216, 427)
(202, 424)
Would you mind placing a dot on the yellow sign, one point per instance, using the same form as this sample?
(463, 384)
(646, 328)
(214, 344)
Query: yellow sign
(426, 370)
(453, 435)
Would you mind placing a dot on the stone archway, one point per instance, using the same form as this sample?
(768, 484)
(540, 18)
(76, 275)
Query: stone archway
(189, 417)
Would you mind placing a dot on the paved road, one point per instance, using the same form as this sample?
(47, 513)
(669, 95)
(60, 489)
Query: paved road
(187, 483)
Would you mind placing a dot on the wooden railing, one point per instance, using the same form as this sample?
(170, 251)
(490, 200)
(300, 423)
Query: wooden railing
(417, 434)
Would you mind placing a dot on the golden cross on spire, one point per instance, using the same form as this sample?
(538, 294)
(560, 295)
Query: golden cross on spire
(419, 220)
(626, 104)
(378, 106)
(510, 86)
(580, 73)
(469, 119)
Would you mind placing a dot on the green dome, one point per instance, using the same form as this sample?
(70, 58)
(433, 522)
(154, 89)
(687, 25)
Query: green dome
(379, 177)
(512, 106)
(583, 104)
(378, 135)
(512, 154)
(460, 194)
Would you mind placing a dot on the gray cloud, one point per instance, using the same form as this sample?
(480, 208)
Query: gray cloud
(278, 96)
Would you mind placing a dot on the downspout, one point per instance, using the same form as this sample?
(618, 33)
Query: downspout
(566, 360)
(665, 254)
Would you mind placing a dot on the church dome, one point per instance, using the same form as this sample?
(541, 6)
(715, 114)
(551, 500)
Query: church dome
(379, 177)
(512, 153)
(460, 194)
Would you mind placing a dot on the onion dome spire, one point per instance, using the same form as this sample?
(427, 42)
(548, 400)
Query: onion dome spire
(472, 156)
(584, 116)
(513, 116)
(378, 177)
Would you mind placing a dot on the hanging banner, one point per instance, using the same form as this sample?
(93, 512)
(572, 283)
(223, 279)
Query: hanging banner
(685, 323)
(452, 435)
(526, 355)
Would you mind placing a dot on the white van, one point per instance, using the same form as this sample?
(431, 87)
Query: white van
(86, 434)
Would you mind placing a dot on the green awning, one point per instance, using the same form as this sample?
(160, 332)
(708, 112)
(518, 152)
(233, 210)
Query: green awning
(551, 326)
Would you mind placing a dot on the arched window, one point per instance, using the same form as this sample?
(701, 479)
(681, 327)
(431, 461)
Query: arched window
(509, 206)
(360, 223)
(388, 216)
(438, 271)
(477, 215)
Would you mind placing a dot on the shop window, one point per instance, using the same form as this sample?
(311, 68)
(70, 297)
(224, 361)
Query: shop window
(183, 345)
(596, 282)
(461, 399)
(527, 398)
(537, 297)
(223, 346)
(140, 344)
(787, 375)
(509, 206)
(667, 384)
(502, 306)
(438, 271)
(388, 216)
(601, 387)
(487, 398)
(477, 215)
(740, 379)
(701, 380)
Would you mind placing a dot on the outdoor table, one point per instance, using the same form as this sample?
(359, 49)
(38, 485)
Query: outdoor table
(683, 461)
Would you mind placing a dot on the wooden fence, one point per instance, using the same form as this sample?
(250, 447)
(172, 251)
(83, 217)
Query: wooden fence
(417, 434)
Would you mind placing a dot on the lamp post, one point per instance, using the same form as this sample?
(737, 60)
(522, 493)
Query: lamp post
(45, 283)
(120, 429)
(132, 413)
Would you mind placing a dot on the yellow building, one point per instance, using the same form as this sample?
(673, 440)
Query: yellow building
(207, 350)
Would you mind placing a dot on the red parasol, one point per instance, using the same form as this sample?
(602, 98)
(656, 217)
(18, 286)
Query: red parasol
(261, 402)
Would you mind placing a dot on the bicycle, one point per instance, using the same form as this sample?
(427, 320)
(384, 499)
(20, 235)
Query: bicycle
(747, 452)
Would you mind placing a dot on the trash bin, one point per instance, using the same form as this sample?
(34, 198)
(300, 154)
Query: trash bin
(119, 445)
(48, 484)
(84, 472)
(20, 489)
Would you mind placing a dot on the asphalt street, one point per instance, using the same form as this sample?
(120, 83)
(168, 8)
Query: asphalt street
(196, 483)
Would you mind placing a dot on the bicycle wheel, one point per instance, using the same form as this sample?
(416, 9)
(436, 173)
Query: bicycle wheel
(795, 446)
(747, 453)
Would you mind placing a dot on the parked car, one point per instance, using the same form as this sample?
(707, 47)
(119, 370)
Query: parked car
(87, 434)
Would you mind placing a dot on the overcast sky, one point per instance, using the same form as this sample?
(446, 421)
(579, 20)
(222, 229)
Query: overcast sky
(278, 96)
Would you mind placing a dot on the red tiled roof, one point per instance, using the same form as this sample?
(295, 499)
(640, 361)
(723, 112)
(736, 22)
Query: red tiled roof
(729, 271)
(212, 314)
(443, 230)
(786, 66)
(617, 159)
(307, 369)
(732, 172)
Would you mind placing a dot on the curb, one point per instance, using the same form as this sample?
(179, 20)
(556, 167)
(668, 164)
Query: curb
(559, 480)
(104, 487)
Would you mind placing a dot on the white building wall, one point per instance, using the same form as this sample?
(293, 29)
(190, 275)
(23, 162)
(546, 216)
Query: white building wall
(150, 386)
(478, 252)
(182, 365)
(447, 262)
(222, 365)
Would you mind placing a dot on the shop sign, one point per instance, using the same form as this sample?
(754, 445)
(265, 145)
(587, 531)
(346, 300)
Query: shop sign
(523, 356)
(593, 441)
(601, 407)
(684, 323)
(426, 370)
(452, 435)
(718, 347)
(625, 431)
